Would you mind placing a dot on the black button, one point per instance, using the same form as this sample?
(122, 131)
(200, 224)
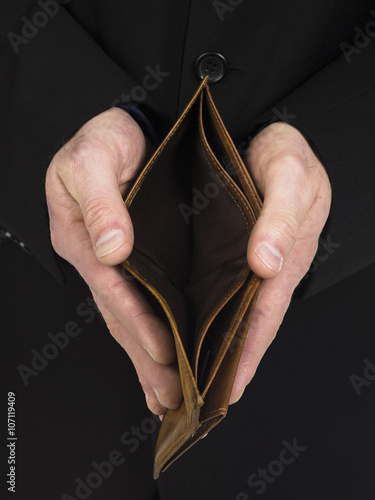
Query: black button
(212, 64)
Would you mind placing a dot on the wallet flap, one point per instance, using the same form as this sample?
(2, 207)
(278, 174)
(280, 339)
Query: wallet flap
(232, 156)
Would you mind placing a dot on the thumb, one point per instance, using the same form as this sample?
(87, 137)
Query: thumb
(94, 185)
(107, 220)
(287, 199)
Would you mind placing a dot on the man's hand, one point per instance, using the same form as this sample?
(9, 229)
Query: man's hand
(91, 228)
(284, 240)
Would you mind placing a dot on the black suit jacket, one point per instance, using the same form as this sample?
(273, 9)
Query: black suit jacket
(312, 63)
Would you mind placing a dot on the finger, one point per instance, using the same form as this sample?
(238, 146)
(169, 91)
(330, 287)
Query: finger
(124, 300)
(128, 315)
(152, 401)
(113, 286)
(272, 303)
(161, 383)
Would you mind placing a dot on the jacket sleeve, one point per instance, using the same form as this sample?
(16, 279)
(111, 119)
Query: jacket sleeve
(53, 78)
(335, 110)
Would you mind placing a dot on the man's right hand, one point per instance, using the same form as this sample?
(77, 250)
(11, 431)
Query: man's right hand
(91, 228)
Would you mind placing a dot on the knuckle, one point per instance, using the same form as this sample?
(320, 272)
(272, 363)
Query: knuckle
(80, 146)
(76, 154)
(108, 295)
(111, 295)
(130, 306)
(287, 157)
(96, 211)
(295, 166)
(289, 163)
(287, 226)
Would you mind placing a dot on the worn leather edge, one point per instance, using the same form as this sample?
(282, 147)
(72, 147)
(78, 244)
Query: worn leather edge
(183, 362)
(200, 433)
(235, 158)
(234, 326)
(154, 157)
(222, 385)
(210, 418)
(229, 185)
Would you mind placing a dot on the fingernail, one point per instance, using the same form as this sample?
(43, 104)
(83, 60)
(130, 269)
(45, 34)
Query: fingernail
(270, 256)
(233, 401)
(172, 407)
(109, 242)
(150, 353)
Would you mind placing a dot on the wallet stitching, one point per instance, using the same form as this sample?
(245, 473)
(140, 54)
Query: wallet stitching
(252, 189)
(212, 157)
(169, 137)
(222, 303)
(244, 266)
(225, 343)
(150, 165)
(151, 288)
(233, 151)
(238, 313)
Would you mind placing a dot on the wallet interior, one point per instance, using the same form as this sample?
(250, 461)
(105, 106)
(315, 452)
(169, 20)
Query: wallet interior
(191, 226)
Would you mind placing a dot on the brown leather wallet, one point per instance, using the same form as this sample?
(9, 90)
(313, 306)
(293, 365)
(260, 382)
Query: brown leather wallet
(193, 207)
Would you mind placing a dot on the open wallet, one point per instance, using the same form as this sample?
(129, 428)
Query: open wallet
(193, 207)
